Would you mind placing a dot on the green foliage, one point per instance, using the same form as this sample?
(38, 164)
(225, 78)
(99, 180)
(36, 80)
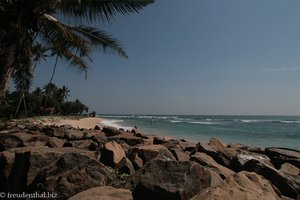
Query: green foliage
(35, 103)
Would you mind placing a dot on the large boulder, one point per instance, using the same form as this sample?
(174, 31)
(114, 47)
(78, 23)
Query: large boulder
(241, 186)
(65, 171)
(9, 141)
(111, 131)
(103, 193)
(130, 139)
(162, 178)
(283, 155)
(208, 161)
(290, 169)
(148, 152)
(288, 185)
(112, 153)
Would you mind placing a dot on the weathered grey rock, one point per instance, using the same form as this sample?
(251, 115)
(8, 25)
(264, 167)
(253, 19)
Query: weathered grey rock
(241, 186)
(162, 178)
(103, 193)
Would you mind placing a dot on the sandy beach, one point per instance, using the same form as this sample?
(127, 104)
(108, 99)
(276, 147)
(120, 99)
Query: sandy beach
(88, 122)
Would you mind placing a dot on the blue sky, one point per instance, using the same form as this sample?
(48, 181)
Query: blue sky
(233, 57)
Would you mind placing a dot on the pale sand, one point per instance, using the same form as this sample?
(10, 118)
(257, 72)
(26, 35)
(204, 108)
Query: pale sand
(89, 122)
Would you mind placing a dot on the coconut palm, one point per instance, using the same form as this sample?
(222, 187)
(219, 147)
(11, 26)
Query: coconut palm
(63, 93)
(25, 22)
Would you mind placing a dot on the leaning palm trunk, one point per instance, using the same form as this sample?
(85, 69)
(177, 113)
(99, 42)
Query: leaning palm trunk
(6, 69)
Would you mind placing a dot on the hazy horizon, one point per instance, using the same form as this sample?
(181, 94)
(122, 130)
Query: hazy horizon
(207, 57)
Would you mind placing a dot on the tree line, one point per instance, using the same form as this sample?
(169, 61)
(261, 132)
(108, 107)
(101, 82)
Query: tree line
(47, 100)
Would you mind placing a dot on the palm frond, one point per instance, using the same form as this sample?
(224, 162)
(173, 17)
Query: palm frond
(101, 40)
(100, 9)
(62, 36)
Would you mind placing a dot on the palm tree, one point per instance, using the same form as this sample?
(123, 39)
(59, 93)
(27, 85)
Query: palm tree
(63, 93)
(25, 22)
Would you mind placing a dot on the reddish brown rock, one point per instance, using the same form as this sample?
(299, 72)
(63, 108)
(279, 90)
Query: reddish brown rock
(130, 139)
(162, 178)
(55, 142)
(288, 185)
(290, 169)
(241, 186)
(125, 166)
(111, 131)
(148, 152)
(216, 143)
(65, 171)
(112, 153)
(208, 161)
(103, 193)
(283, 155)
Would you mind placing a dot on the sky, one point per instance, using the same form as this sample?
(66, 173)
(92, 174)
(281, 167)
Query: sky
(209, 57)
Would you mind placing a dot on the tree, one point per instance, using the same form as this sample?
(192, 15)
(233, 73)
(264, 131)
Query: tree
(27, 22)
(63, 93)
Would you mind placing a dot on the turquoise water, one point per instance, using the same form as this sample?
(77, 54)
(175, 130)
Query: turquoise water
(263, 131)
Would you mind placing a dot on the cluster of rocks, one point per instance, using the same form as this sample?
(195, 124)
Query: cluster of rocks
(114, 164)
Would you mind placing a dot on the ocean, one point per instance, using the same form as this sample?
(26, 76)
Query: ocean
(262, 131)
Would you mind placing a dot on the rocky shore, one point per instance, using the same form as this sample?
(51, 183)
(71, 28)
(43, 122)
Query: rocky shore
(111, 164)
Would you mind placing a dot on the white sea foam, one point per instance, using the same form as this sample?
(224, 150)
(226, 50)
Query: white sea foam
(176, 121)
(203, 123)
(290, 122)
(115, 123)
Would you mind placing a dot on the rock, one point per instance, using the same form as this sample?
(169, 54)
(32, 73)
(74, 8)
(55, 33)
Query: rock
(279, 156)
(187, 146)
(216, 143)
(130, 139)
(208, 161)
(148, 152)
(111, 131)
(290, 169)
(103, 193)
(240, 159)
(162, 178)
(8, 141)
(136, 161)
(73, 134)
(179, 154)
(65, 171)
(97, 127)
(288, 185)
(112, 153)
(125, 166)
(159, 140)
(241, 186)
(82, 144)
(55, 142)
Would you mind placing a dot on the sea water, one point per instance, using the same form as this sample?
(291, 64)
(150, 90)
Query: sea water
(263, 131)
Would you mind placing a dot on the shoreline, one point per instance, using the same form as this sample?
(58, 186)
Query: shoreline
(76, 162)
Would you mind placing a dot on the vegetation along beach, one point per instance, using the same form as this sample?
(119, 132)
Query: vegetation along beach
(200, 100)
